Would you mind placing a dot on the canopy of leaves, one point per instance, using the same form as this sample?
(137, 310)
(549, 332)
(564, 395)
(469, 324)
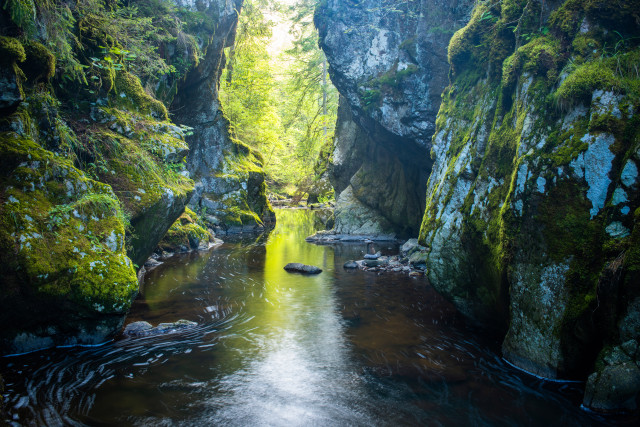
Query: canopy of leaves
(280, 102)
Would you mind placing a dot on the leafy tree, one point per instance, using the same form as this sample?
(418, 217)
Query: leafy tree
(280, 104)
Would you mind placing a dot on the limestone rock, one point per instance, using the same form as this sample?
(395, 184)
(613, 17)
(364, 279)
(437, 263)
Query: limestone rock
(229, 176)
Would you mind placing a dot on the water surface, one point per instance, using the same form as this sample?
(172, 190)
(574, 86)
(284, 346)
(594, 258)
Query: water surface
(276, 348)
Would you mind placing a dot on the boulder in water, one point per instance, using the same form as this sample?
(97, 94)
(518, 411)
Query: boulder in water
(350, 264)
(302, 268)
(143, 329)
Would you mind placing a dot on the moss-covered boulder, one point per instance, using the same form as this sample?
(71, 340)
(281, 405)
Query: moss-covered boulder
(530, 205)
(143, 161)
(66, 276)
(188, 233)
(40, 63)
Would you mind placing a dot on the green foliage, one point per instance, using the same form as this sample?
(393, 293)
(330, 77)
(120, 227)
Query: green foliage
(280, 103)
(22, 13)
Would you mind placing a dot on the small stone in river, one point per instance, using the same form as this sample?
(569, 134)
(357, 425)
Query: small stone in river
(302, 268)
(415, 274)
(350, 264)
(372, 263)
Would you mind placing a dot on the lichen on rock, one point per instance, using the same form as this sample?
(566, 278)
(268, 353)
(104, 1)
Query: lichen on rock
(528, 217)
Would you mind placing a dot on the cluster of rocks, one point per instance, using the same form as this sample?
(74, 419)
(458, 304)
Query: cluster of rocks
(411, 260)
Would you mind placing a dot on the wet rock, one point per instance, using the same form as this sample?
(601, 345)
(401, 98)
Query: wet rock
(302, 268)
(373, 262)
(152, 263)
(331, 236)
(138, 328)
(614, 389)
(372, 256)
(10, 95)
(409, 247)
(350, 264)
(144, 329)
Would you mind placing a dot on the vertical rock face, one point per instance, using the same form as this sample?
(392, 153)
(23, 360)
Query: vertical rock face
(230, 187)
(388, 60)
(532, 205)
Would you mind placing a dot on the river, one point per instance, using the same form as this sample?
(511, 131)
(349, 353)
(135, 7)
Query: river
(280, 349)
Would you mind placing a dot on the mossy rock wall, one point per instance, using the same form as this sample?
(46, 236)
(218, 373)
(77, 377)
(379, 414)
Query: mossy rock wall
(94, 172)
(66, 275)
(535, 179)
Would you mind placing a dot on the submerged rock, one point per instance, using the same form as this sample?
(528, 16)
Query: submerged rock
(350, 264)
(302, 268)
(144, 329)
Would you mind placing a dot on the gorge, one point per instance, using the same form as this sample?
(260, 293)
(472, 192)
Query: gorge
(504, 135)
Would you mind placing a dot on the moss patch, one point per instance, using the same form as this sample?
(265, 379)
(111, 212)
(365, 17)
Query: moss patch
(40, 63)
(62, 236)
(187, 233)
(128, 91)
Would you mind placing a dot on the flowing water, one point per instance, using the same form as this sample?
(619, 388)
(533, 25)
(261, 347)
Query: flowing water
(275, 348)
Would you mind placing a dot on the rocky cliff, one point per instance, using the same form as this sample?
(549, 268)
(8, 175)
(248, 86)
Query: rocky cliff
(532, 210)
(94, 172)
(388, 60)
(532, 203)
(230, 190)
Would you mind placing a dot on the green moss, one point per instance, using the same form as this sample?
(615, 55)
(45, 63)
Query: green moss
(11, 50)
(63, 238)
(128, 91)
(186, 232)
(40, 63)
(581, 83)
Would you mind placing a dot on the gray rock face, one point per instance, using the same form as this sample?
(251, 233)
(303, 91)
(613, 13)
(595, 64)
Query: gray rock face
(215, 162)
(614, 389)
(10, 96)
(388, 60)
(302, 268)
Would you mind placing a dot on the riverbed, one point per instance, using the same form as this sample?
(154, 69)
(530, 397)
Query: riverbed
(345, 347)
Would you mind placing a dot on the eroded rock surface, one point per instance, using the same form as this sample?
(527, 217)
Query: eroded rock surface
(388, 60)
